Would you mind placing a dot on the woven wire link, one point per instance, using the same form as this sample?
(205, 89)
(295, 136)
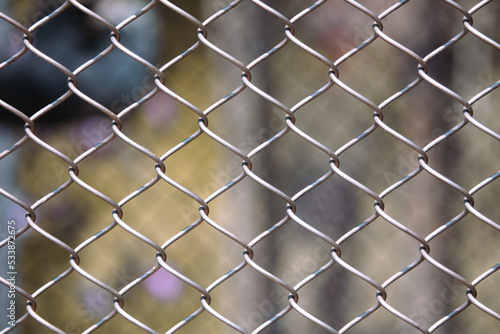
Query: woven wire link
(292, 211)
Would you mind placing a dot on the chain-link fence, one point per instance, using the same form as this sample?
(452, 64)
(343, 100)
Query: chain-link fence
(304, 167)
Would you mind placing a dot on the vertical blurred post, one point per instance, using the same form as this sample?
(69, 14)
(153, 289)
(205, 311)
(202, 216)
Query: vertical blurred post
(238, 33)
(428, 206)
(474, 70)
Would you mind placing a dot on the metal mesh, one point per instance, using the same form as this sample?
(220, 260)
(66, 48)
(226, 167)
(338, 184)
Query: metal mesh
(292, 162)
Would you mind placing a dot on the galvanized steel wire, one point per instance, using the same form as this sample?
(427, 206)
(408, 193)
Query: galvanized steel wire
(291, 214)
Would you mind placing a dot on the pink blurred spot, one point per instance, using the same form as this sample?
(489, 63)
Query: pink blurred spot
(164, 286)
(160, 109)
(18, 214)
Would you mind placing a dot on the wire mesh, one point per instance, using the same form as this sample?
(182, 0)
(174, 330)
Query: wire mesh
(250, 166)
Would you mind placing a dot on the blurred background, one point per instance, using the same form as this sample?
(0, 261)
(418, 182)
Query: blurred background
(380, 250)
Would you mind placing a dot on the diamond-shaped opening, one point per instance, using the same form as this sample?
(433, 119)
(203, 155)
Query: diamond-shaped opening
(123, 263)
(302, 170)
(199, 254)
(480, 150)
(358, 250)
(482, 18)
(121, 155)
(9, 182)
(334, 118)
(47, 264)
(484, 200)
(163, 206)
(470, 320)
(438, 296)
(259, 299)
(326, 296)
(469, 144)
(80, 310)
(162, 292)
(442, 22)
(337, 27)
(177, 32)
(250, 127)
(128, 81)
(391, 165)
(29, 84)
(72, 38)
(184, 166)
(195, 82)
(429, 117)
(300, 74)
(330, 207)
(422, 210)
(11, 40)
(473, 67)
(116, 11)
(254, 207)
(266, 32)
(483, 109)
(474, 260)
(68, 209)
(486, 291)
(51, 171)
(378, 71)
(291, 263)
